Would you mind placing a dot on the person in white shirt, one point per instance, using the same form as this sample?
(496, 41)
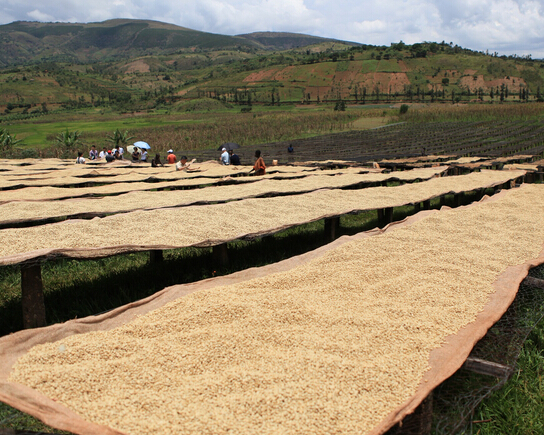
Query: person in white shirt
(80, 158)
(143, 157)
(225, 158)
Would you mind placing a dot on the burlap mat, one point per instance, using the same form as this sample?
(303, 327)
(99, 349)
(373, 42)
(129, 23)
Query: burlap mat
(444, 361)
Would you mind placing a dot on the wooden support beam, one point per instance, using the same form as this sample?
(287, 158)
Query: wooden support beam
(32, 296)
(220, 254)
(488, 368)
(156, 256)
(332, 225)
(534, 282)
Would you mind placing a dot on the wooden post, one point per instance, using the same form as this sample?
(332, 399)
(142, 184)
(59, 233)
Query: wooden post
(457, 199)
(220, 254)
(32, 296)
(419, 422)
(156, 256)
(388, 215)
(332, 225)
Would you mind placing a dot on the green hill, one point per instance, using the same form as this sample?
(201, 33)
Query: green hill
(25, 42)
(136, 65)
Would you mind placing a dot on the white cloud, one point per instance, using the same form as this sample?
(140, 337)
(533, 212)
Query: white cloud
(37, 15)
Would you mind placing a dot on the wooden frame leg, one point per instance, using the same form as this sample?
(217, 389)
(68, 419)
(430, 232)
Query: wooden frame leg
(220, 254)
(332, 226)
(156, 256)
(32, 296)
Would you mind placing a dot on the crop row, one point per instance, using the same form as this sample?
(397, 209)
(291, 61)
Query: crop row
(463, 139)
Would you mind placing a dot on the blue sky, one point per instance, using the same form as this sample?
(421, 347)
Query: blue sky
(502, 26)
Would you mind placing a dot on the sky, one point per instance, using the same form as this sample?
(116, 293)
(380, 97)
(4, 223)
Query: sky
(506, 27)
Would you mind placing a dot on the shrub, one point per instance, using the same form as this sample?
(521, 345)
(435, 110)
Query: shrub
(403, 109)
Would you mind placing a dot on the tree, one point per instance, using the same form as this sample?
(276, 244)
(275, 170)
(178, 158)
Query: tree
(340, 106)
(7, 141)
(119, 138)
(68, 139)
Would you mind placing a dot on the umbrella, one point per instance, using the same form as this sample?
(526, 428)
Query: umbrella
(142, 145)
(229, 146)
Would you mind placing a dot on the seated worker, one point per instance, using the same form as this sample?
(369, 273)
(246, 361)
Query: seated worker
(233, 158)
(259, 167)
(156, 162)
(80, 158)
(93, 153)
(290, 148)
(136, 155)
(117, 155)
(182, 165)
(109, 157)
(103, 153)
(171, 158)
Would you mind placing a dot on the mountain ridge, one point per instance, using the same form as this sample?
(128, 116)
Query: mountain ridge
(23, 42)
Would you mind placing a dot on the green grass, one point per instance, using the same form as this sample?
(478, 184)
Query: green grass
(518, 407)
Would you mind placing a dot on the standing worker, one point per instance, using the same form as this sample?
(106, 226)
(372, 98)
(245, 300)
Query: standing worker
(259, 167)
(225, 160)
(171, 158)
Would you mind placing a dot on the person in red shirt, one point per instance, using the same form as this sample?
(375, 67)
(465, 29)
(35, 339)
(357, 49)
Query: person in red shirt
(171, 158)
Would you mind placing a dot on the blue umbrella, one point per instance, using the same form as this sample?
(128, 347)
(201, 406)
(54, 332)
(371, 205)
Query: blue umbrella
(142, 145)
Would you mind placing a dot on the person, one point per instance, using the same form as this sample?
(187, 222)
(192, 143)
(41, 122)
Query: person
(109, 157)
(121, 151)
(233, 158)
(224, 157)
(80, 158)
(290, 148)
(135, 155)
(156, 162)
(93, 153)
(103, 153)
(182, 165)
(117, 156)
(143, 157)
(171, 158)
(259, 167)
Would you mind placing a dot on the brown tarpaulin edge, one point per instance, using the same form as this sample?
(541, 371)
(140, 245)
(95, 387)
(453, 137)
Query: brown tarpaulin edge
(106, 251)
(93, 214)
(444, 361)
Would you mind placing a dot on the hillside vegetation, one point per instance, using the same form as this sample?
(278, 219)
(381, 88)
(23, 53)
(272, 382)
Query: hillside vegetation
(133, 65)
